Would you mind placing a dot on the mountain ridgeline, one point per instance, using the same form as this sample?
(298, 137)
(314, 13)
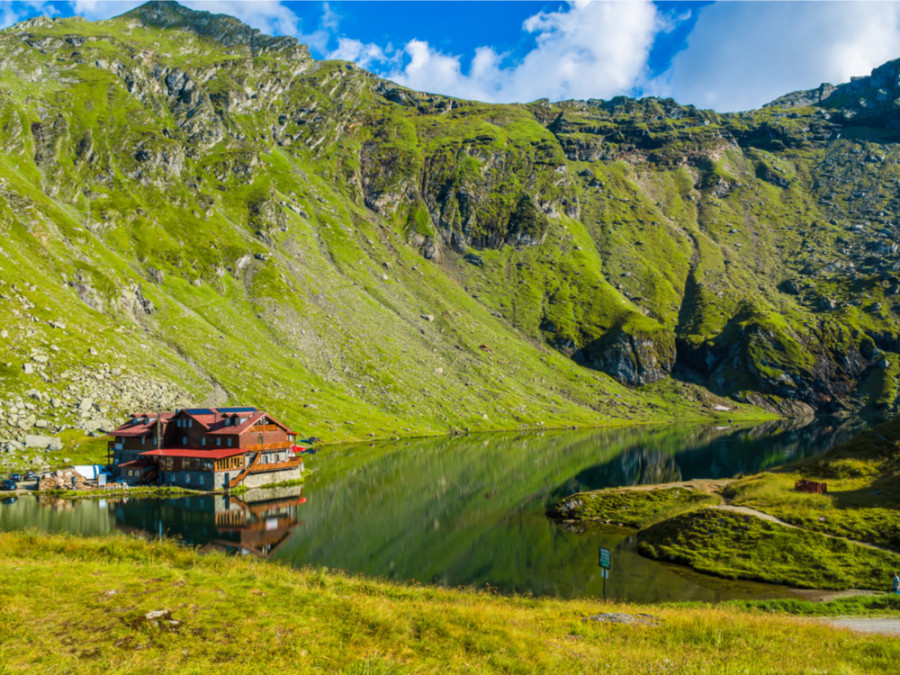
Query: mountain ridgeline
(194, 212)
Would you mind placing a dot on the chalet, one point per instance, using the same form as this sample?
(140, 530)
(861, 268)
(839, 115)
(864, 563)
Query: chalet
(205, 449)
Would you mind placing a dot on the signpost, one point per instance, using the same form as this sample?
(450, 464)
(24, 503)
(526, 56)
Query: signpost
(605, 564)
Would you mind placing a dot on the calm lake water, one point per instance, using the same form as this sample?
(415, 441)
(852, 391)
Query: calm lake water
(461, 511)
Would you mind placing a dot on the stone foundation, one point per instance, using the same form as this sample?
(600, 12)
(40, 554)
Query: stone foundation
(255, 480)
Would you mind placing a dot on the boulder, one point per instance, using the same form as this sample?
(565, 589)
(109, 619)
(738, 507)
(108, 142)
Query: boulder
(474, 259)
(621, 617)
(789, 286)
(43, 442)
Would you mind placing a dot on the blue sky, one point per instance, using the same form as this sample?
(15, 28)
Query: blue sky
(722, 55)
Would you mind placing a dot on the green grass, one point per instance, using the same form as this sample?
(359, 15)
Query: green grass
(851, 508)
(635, 508)
(237, 615)
(78, 448)
(285, 483)
(863, 493)
(736, 546)
(886, 604)
(139, 491)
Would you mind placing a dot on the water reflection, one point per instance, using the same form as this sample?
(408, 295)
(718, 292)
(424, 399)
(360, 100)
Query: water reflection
(709, 452)
(257, 523)
(465, 511)
(470, 511)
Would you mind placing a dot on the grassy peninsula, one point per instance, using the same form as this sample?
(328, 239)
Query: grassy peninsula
(760, 527)
(241, 616)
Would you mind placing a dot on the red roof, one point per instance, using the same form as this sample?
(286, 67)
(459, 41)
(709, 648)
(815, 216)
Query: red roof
(211, 420)
(245, 423)
(194, 452)
(136, 427)
(221, 429)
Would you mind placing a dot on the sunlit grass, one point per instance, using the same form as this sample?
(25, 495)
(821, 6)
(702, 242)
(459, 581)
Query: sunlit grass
(77, 605)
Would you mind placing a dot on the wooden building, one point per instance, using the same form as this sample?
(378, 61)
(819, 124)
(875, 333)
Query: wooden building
(205, 449)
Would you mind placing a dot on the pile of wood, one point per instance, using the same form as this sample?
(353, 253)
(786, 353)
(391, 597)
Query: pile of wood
(64, 479)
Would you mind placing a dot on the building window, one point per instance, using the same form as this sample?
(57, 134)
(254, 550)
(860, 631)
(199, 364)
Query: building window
(184, 440)
(203, 441)
(190, 423)
(219, 440)
(143, 439)
(229, 442)
(187, 478)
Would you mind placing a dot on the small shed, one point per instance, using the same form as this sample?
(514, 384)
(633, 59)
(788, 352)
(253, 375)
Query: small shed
(811, 486)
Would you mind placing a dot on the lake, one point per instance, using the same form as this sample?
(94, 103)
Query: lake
(463, 511)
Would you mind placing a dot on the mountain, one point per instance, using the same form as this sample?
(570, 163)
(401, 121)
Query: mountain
(194, 213)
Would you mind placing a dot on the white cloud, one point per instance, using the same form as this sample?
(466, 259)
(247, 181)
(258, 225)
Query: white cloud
(361, 53)
(14, 12)
(595, 49)
(587, 50)
(330, 18)
(741, 55)
(269, 16)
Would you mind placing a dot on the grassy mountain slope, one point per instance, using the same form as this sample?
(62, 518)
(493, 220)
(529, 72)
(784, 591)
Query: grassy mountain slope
(197, 213)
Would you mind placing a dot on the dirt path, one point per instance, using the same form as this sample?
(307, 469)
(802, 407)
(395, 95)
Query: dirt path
(708, 485)
(747, 511)
(884, 625)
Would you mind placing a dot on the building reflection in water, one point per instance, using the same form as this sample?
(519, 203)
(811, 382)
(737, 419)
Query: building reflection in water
(257, 522)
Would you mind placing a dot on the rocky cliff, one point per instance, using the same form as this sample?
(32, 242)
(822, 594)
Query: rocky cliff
(195, 212)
